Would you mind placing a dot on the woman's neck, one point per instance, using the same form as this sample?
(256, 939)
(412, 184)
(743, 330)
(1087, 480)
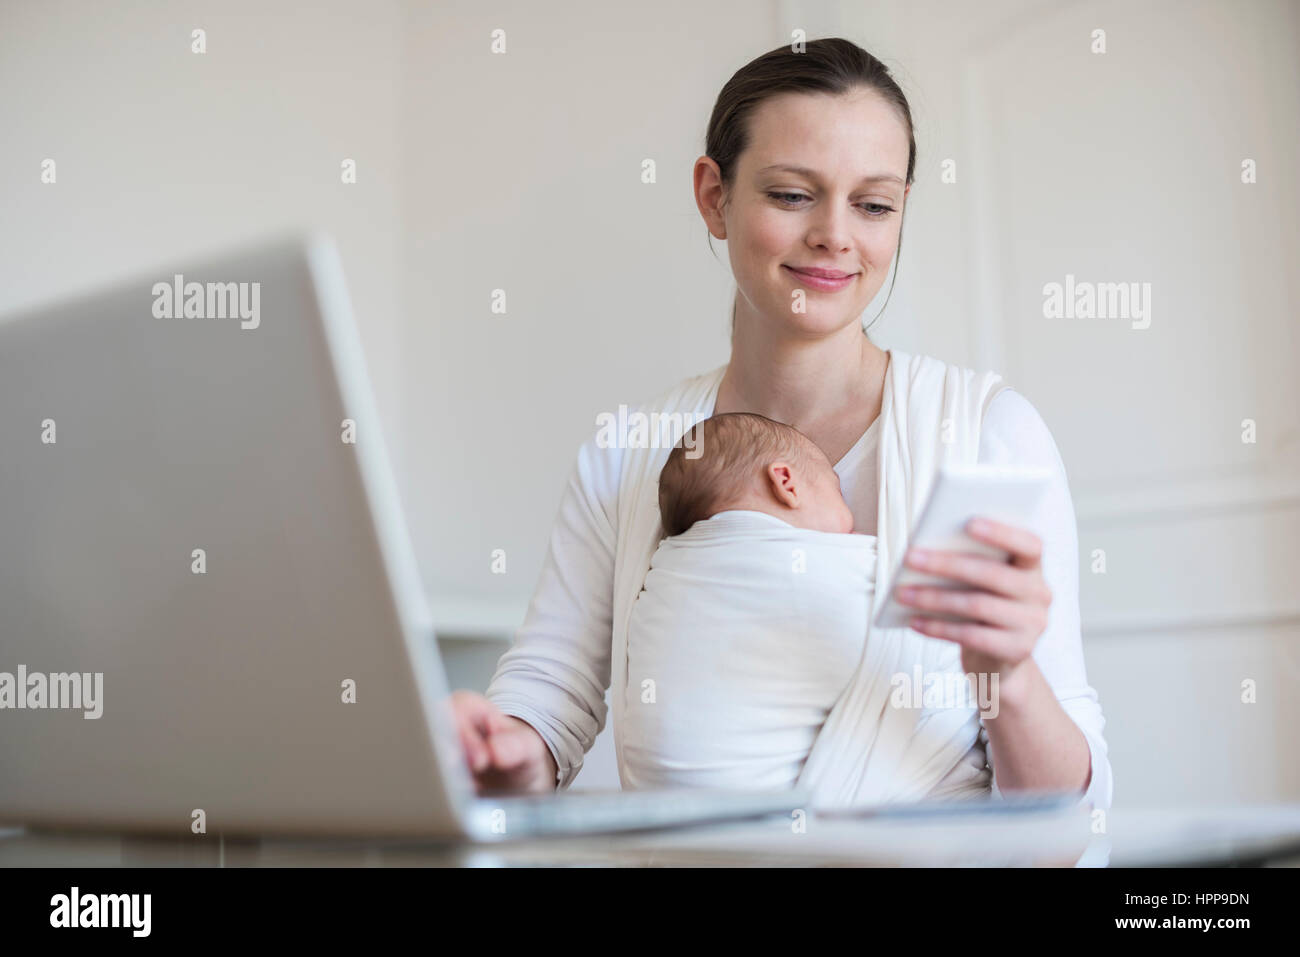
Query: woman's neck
(830, 387)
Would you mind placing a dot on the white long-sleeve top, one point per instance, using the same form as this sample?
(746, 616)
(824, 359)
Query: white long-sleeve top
(556, 673)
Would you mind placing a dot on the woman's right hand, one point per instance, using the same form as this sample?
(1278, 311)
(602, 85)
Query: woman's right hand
(504, 753)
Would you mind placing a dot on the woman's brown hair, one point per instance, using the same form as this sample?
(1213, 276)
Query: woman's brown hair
(833, 65)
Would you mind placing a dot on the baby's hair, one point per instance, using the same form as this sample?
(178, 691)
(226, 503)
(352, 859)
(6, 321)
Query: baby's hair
(733, 448)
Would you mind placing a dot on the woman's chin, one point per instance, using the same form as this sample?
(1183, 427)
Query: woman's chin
(819, 321)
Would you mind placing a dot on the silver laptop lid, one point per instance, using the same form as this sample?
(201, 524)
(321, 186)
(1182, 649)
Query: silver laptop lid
(196, 505)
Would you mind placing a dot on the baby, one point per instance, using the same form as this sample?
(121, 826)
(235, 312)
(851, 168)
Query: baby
(753, 616)
(746, 461)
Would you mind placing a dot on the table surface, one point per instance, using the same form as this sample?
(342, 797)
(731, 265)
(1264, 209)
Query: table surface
(1260, 834)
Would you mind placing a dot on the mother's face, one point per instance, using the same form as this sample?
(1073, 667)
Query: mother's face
(841, 212)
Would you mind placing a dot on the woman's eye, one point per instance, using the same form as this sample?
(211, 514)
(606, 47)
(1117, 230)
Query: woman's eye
(790, 199)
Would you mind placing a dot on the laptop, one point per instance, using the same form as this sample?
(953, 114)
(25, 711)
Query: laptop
(211, 618)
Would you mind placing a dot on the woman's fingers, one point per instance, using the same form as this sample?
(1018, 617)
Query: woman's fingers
(1011, 578)
(520, 761)
(473, 721)
(977, 606)
(503, 752)
(980, 639)
(1025, 547)
(509, 741)
(1020, 579)
(1001, 578)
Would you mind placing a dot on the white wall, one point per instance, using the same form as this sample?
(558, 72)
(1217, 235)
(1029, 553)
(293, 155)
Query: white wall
(522, 172)
(162, 153)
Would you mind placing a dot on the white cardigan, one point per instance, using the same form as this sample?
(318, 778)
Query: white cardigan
(574, 635)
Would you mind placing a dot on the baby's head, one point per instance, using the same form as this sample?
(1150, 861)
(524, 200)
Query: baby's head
(742, 460)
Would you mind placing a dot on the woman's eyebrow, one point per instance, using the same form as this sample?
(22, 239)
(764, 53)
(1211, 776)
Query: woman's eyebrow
(812, 174)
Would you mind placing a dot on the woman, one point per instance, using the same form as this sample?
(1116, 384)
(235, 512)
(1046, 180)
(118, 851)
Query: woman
(810, 157)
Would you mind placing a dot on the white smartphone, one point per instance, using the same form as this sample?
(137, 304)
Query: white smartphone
(1005, 494)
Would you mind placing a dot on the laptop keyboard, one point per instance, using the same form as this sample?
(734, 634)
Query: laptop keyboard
(575, 812)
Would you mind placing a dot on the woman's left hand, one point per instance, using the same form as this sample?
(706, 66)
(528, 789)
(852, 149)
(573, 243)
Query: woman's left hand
(1008, 613)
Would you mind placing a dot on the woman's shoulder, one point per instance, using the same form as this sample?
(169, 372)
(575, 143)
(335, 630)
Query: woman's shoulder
(918, 368)
(919, 380)
(1013, 431)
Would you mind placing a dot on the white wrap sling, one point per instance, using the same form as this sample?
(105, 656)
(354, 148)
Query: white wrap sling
(745, 634)
(868, 751)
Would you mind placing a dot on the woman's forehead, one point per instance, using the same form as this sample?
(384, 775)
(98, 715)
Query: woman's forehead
(854, 135)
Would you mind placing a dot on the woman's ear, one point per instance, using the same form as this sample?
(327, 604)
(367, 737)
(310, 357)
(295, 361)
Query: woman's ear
(709, 196)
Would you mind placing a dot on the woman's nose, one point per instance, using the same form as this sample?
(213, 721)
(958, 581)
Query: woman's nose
(831, 228)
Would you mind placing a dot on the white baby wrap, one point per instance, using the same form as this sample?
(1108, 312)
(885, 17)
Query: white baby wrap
(866, 751)
(745, 635)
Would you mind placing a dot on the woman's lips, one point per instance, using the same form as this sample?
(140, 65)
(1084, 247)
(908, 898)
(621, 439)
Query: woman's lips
(817, 282)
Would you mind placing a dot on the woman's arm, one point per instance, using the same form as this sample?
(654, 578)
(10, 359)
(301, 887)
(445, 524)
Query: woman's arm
(1048, 729)
(555, 675)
